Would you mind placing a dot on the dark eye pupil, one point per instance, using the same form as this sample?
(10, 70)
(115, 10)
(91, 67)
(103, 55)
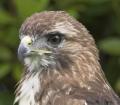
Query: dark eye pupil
(55, 39)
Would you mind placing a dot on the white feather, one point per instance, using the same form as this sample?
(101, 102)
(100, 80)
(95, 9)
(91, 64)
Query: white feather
(28, 90)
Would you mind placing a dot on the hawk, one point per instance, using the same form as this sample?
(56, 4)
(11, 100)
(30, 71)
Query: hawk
(61, 63)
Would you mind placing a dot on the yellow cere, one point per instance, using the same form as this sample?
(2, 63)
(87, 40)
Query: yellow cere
(27, 40)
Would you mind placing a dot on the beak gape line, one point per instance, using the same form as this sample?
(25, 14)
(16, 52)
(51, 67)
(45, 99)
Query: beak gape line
(25, 49)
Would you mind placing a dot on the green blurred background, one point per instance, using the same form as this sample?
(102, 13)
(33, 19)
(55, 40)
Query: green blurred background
(101, 17)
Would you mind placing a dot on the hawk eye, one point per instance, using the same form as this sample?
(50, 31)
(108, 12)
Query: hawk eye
(55, 39)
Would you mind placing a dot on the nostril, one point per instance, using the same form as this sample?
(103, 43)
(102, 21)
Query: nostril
(27, 40)
(29, 43)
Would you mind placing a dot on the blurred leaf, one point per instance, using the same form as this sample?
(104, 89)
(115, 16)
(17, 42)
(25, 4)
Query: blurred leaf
(118, 85)
(32, 6)
(5, 18)
(94, 1)
(17, 72)
(73, 12)
(6, 98)
(1, 34)
(4, 70)
(13, 36)
(110, 46)
(117, 24)
(5, 53)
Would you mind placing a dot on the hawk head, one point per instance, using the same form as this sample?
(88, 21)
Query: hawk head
(62, 63)
(54, 40)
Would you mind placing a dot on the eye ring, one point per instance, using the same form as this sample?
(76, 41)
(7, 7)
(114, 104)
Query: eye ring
(55, 39)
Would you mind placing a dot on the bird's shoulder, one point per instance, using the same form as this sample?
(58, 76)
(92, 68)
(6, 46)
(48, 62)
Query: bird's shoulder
(82, 97)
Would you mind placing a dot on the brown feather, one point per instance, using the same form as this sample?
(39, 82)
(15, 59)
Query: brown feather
(77, 77)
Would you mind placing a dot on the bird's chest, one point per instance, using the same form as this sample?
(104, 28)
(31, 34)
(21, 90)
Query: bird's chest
(28, 90)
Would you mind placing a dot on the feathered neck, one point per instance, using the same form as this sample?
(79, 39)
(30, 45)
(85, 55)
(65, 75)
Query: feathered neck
(83, 74)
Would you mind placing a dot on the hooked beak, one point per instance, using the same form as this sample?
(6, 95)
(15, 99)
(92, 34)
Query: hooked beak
(25, 50)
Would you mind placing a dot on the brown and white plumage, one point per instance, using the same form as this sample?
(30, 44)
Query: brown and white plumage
(61, 63)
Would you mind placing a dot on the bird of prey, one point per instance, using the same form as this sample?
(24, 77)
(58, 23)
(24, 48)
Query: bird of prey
(61, 63)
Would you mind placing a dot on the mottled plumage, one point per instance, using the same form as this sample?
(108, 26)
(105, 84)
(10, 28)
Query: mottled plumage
(61, 63)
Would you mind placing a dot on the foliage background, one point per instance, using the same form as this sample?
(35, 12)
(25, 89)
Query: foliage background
(101, 17)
